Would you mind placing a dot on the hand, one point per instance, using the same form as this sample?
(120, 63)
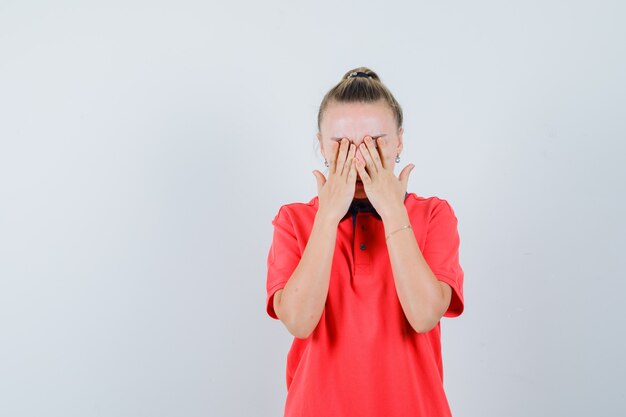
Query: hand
(384, 190)
(336, 193)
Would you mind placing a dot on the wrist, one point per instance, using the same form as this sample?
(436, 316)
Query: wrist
(395, 215)
(325, 220)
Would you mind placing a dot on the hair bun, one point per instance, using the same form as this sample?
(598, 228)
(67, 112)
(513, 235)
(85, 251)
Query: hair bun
(361, 72)
(360, 85)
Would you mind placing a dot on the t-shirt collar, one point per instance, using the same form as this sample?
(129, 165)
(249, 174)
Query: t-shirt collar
(362, 205)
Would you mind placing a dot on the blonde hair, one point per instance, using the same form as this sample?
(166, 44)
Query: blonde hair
(360, 85)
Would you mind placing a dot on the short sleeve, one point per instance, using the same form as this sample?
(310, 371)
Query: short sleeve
(282, 259)
(441, 252)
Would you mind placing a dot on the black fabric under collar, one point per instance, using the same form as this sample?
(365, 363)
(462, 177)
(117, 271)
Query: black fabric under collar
(363, 205)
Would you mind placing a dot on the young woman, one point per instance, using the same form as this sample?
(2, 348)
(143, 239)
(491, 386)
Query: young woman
(362, 274)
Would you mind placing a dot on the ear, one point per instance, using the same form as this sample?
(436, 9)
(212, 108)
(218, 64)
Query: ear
(400, 144)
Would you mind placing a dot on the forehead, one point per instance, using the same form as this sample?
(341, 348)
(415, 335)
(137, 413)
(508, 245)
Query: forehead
(346, 119)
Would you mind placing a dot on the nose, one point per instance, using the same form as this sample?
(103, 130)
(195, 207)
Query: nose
(358, 154)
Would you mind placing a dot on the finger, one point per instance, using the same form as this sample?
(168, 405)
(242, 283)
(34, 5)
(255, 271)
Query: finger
(369, 162)
(362, 172)
(385, 155)
(352, 171)
(404, 175)
(349, 158)
(371, 146)
(320, 179)
(343, 153)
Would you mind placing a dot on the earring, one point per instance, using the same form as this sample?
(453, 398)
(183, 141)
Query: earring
(397, 158)
(326, 163)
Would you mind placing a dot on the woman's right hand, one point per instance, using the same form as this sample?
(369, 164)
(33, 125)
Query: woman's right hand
(336, 193)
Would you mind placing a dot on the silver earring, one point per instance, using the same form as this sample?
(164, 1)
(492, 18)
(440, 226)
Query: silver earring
(326, 163)
(397, 158)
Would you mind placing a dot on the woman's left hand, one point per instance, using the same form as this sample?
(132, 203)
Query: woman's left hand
(384, 190)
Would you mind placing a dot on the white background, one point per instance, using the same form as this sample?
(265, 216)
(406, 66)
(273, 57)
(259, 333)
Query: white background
(146, 146)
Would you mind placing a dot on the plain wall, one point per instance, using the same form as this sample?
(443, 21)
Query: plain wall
(145, 148)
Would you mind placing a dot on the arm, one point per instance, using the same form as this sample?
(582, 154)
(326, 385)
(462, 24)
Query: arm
(299, 305)
(423, 297)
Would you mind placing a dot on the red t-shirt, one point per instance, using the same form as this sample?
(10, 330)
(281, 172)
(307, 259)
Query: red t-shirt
(364, 358)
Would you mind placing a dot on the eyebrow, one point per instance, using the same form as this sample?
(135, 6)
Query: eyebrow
(373, 137)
